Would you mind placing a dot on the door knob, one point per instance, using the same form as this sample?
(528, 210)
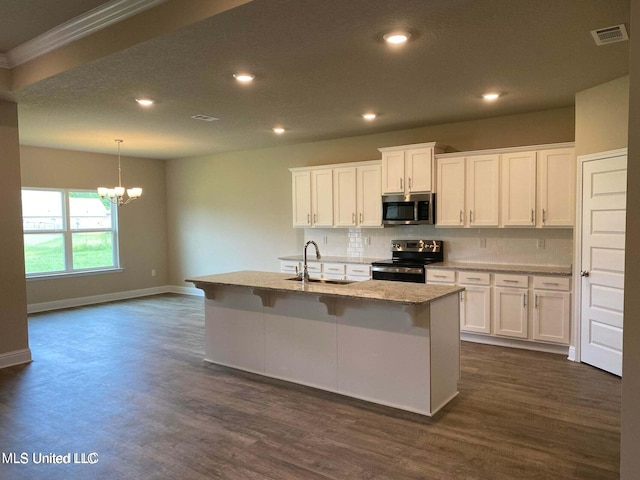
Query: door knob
(584, 273)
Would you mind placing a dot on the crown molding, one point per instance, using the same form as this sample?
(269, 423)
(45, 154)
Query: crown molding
(75, 29)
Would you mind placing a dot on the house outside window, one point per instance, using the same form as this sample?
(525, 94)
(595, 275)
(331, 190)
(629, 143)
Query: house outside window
(68, 231)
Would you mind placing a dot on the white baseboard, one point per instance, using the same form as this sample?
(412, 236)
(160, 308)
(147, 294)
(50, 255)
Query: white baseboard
(514, 343)
(17, 357)
(186, 290)
(572, 354)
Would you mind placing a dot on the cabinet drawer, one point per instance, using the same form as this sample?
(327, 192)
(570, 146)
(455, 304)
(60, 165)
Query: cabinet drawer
(289, 267)
(474, 278)
(333, 276)
(518, 281)
(552, 283)
(314, 267)
(359, 270)
(441, 276)
(333, 268)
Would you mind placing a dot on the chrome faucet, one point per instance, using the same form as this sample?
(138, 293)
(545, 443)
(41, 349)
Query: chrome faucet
(305, 271)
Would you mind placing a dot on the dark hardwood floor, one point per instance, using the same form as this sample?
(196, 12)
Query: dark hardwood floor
(126, 380)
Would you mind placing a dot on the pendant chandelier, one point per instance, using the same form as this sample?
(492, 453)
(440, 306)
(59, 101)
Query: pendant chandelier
(116, 195)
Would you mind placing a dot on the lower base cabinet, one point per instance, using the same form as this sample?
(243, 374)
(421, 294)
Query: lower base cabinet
(475, 309)
(551, 316)
(510, 317)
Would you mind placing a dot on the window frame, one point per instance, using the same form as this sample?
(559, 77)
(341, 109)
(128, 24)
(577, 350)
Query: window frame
(67, 233)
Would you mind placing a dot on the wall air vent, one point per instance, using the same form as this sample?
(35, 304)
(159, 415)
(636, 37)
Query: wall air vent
(205, 118)
(604, 36)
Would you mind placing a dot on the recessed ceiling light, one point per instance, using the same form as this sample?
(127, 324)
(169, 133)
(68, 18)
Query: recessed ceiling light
(244, 77)
(491, 96)
(278, 130)
(369, 116)
(145, 102)
(396, 38)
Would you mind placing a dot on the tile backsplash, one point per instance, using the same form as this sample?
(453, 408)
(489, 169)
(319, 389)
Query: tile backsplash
(527, 246)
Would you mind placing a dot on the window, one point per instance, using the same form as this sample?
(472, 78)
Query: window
(68, 231)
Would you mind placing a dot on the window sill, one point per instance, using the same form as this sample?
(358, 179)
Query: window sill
(45, 276)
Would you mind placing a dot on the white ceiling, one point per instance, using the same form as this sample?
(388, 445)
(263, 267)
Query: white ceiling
(318, 66)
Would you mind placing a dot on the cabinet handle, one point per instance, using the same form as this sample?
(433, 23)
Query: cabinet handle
(544, 216)
(401, 188)
(533, 218)
(510, 281)
(410, 185)
(550, 283)
(524, 299)
(535, 303)
(315, 218)
(358, 271)
(353, 218)
(470, 216)
(461, 296)
(360, 217)
(308, 218)
(473, 278)
(461, 217)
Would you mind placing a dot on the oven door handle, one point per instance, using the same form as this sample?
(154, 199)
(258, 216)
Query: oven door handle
(381, 269)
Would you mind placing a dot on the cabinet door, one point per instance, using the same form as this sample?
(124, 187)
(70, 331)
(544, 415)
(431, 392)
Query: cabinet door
(475, 309)
(369, 196)
(301, 189)
(322, 197)
(393, 172)
(510, 312)
(483, 190)
(518, 189)
(344, 197)
(551, 316)
(450, 206)
(418, 170)
(556, 187)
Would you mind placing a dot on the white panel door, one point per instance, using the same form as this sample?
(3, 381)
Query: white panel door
(604, 194)
(451, 195)
(301, 190)
(322, 197)
(419, 163)
(475, 309)
(556, 187)
(393, 172)
(369, 196)
(518, 189)
(510, 314)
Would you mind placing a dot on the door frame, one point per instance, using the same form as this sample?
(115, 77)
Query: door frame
(576, 317)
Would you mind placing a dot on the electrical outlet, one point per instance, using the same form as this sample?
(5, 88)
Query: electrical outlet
(367, 241)
(325, 239)
(541, 243)
(483, 243)
(153, 272)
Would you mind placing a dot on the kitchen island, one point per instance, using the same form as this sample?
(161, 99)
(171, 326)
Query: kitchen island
(391, 343)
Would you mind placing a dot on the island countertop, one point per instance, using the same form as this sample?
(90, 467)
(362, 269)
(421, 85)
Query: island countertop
(378, 290)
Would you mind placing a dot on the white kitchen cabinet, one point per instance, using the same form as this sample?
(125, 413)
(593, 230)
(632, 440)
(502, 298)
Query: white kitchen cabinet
(556, 187)
(334, 271)
(290, 266)
(446, 277)
(344, 197)
(518, 188)
(358, 272)
(322, 197)
(510, 306)
(551, 309)
(468, 191)
(301, 193)
(475, 302)
(368, 196)
(483, 190)
(409, 168)
(450, 202)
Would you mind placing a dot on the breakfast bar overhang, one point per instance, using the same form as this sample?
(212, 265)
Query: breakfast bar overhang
(391, 343)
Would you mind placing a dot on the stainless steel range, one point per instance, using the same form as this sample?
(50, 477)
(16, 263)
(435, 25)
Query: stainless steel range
(408, 260)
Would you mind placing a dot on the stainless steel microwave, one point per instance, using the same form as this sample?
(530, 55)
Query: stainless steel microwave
(413, 209)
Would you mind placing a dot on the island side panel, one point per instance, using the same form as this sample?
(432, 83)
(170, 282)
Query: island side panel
(445, 350)
(234, 329)
(383, 354)
(300, 341)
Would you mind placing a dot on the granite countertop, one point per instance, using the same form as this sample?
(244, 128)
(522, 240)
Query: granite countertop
(378, 290)
(557, 270)
(312, 258)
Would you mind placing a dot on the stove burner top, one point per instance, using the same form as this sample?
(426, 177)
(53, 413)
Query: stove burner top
(409, 258)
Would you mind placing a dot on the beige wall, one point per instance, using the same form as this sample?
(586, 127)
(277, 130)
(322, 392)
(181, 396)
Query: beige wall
(630, 460)
(142, 224)
(602, 117)
(13, 309)
(233, 211)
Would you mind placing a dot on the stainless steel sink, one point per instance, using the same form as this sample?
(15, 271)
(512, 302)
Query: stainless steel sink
(323, 281)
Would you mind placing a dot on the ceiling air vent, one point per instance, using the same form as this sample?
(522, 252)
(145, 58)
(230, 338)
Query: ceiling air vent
(603, 36)
(205, 118)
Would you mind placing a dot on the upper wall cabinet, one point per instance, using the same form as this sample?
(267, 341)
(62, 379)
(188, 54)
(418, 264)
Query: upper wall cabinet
(409, 168)
(342, 195)
(468, 191)
(538, 188)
